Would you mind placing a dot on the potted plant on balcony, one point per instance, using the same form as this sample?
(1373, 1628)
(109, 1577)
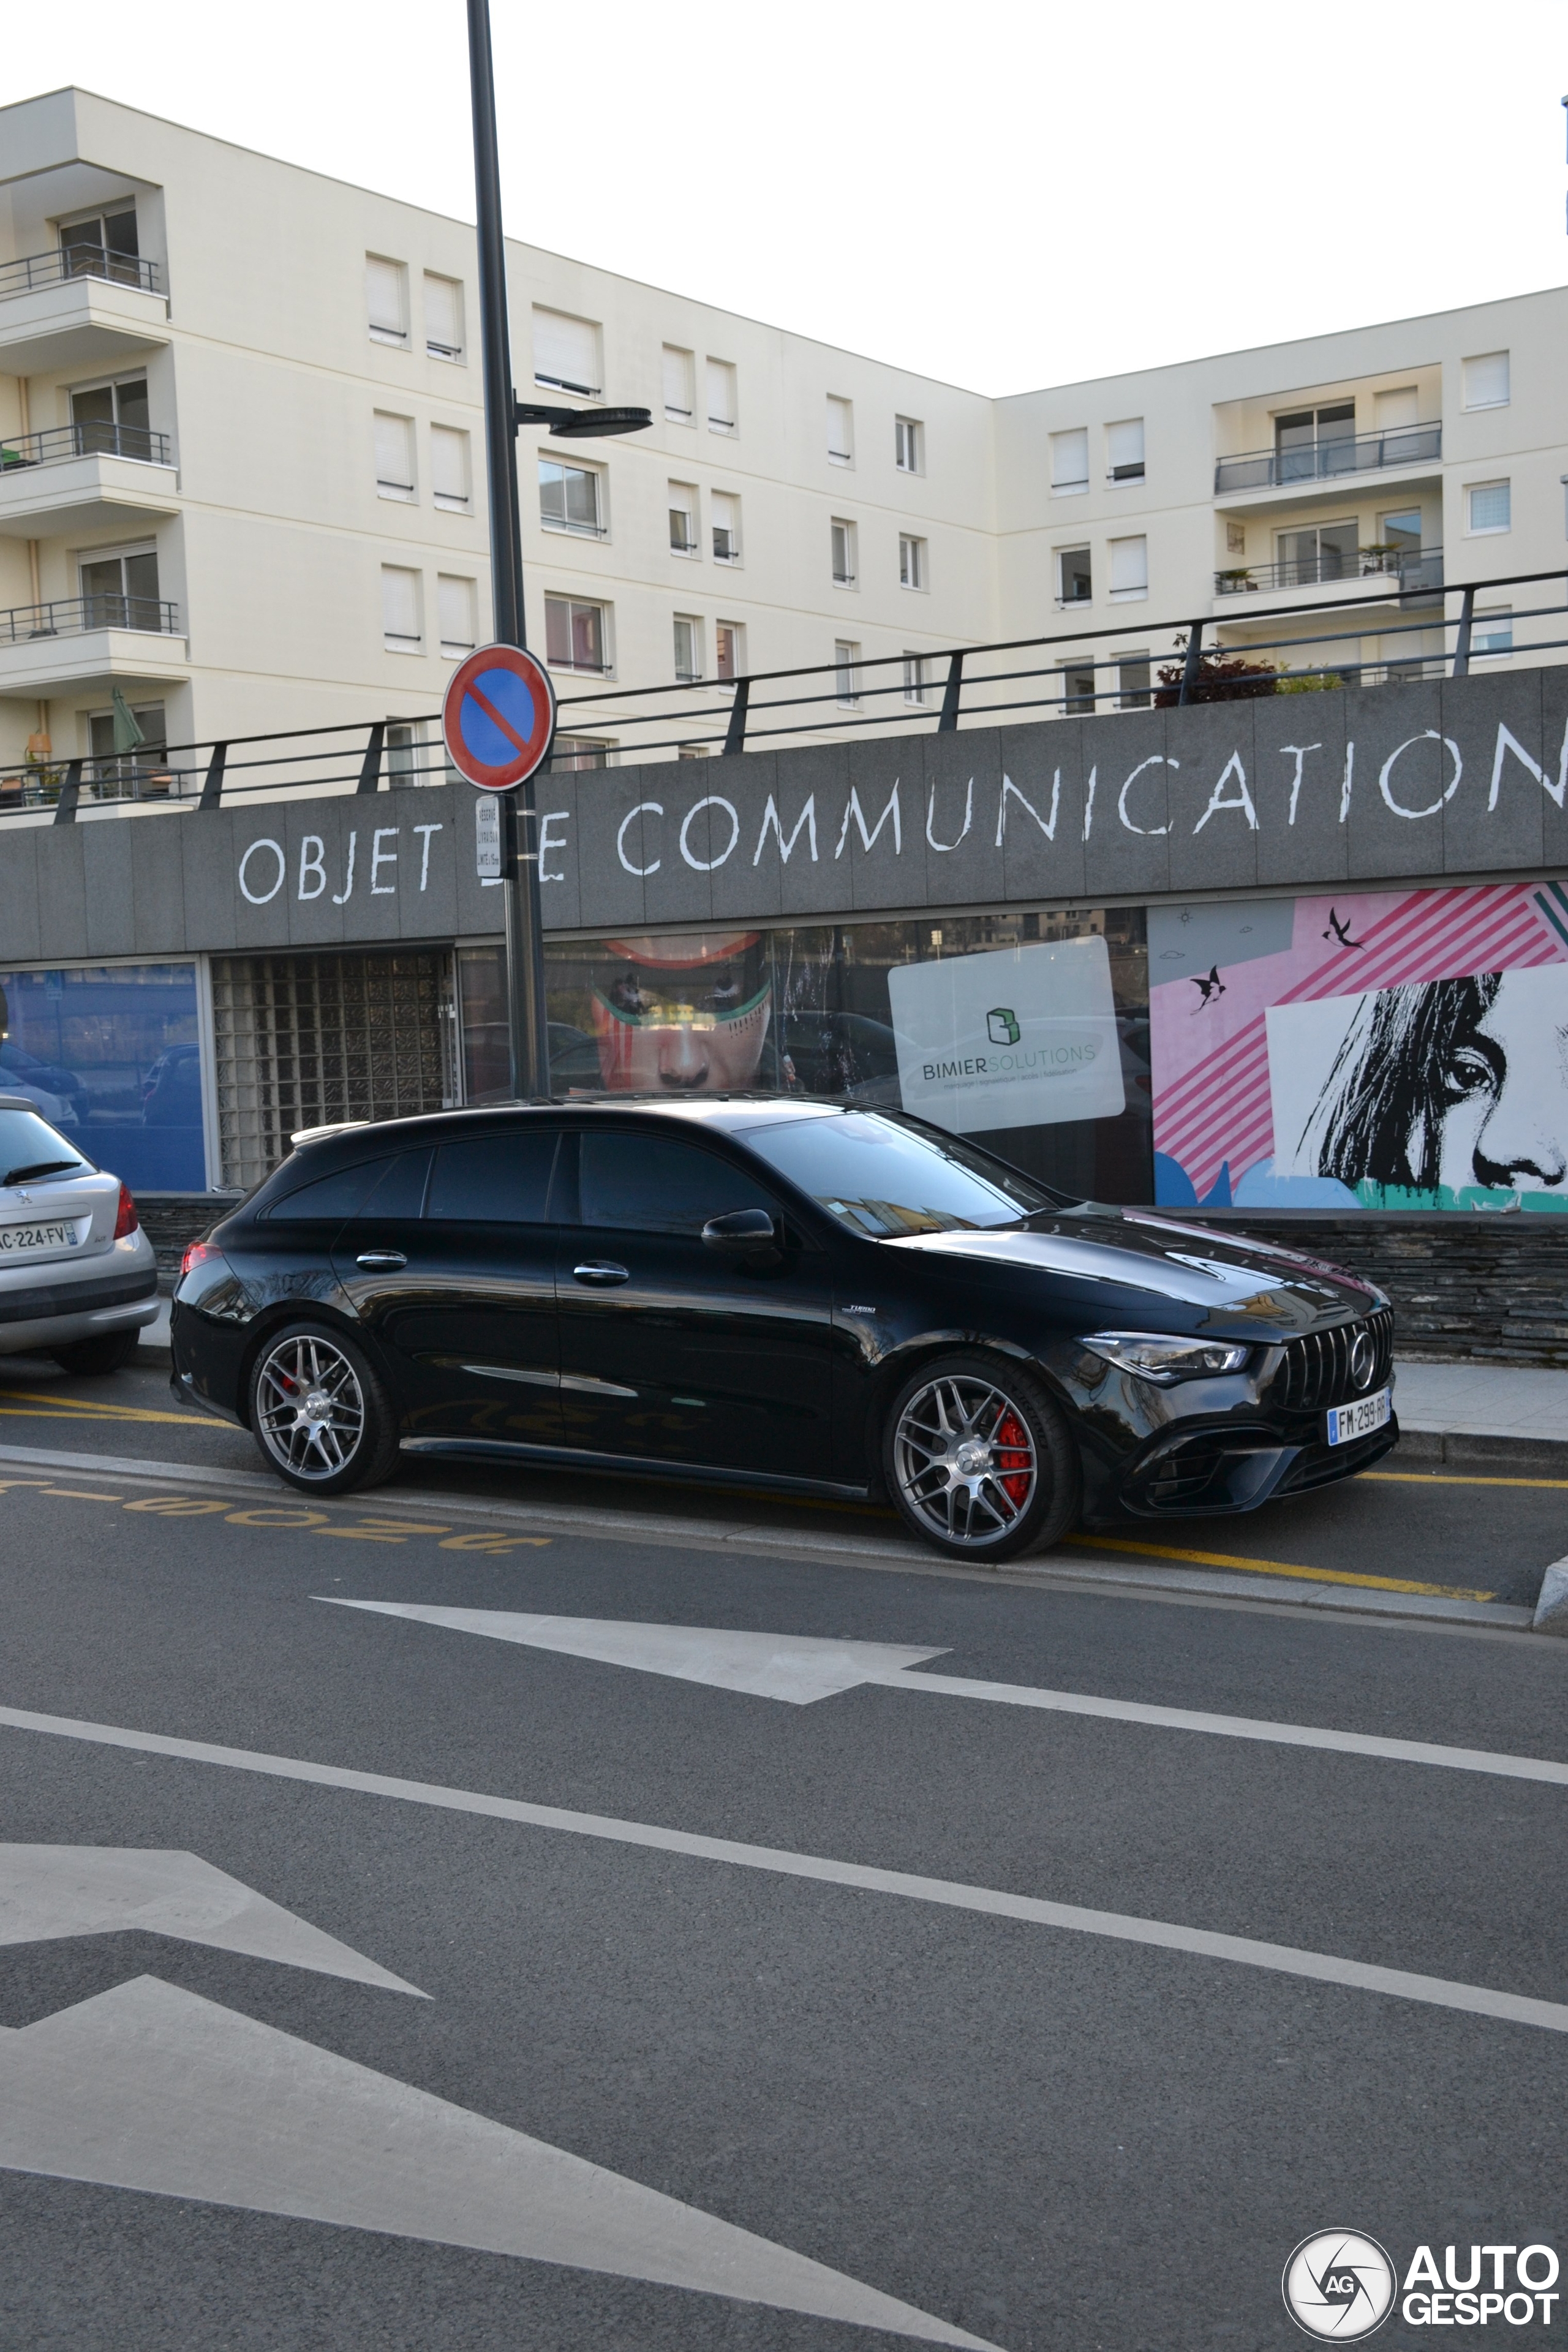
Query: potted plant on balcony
(1220, 679)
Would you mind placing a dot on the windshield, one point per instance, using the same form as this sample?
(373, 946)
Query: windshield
(881, 1177)
(30, 1148)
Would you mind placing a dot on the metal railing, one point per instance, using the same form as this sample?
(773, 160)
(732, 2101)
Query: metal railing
(73, 616)
(89, 438)
(36, 269)
(1412, 571)
(1326, 461)
(1063, 674)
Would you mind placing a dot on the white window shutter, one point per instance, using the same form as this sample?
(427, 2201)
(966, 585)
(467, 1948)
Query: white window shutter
(1124, 444)
(722, 395)
(1069, 460)
(840, 428)
(449, 463)
(444, 314)
(1393, 411)
(384, 295)
(566, 352)
(1487, 381)
(393, 451)
(399, 602)
(677, 396)
(454, 598)
(1129, 566)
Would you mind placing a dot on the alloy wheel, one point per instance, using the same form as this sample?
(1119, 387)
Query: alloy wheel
(309, 1407)
(965, 1461)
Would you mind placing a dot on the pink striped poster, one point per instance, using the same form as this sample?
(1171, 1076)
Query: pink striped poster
(1392, 1049)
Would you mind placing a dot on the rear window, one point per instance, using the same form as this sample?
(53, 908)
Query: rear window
(31, 1150)
(881, 1177)
(331, 1198)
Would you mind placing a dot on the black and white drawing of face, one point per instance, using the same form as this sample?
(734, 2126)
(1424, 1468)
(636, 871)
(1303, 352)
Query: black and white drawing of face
(1504, 1088)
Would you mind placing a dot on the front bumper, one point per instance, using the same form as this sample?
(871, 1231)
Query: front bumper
(1197, 1471)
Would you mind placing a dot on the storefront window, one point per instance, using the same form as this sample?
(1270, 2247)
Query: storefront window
(1027, 1033)
(110, 1056)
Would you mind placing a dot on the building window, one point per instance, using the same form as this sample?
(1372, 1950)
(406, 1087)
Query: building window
(1487, 381)
(911, 562)
(1132, 682)
(909, 444)
(725, 510)
(1493, 631)
(1489, 508)
(394, 455)
(456, 605)
(1070, 462)
(102, 245)
(120, 591)
(1324, 550)
(579, 752)
(1125, 451)
(915, 678)
(691, 751)
(679, 401)
(403, 631)
(443, 316)
(1074, 582)
(847, 669)
(840, 431)
(1313, 442)
(135, 772)
(1129, 570)
(404, 742)
(1077, 687)
(567, 353)
(128, 1034)
(687, 648)
(387, 298)
(569, 498)
(576, 634)
(729, 651)
(722, 412)
(683, 538)
(450, 480)
(841, 537)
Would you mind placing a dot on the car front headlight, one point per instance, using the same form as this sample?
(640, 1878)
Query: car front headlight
(1159, 1356)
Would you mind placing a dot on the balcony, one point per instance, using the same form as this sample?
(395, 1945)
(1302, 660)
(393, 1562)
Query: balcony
(125, 778)
(100, 641)
(89, 475)
(87, 307)
(1331, 577)
(1330, 459)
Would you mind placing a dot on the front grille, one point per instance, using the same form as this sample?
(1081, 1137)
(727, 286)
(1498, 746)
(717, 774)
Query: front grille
(1317, 1369)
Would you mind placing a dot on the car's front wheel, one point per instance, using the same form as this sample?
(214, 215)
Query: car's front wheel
(319, 1413)
(979, 1460)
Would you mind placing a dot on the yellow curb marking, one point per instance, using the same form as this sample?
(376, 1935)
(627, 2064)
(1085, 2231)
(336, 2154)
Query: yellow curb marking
(173, 1507)
(1435, 1478)
(82, 1494)
(1281, 1568)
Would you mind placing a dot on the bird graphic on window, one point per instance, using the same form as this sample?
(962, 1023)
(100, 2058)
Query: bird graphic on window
(1210, 990)
(1342, 931)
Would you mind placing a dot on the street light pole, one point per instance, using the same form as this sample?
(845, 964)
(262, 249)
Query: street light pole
(530, 1036)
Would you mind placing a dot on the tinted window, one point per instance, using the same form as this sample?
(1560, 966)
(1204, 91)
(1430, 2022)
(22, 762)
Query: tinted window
(648, 1184)
(332, 1197)
(400, 1190)
(880, 1178)
(494, 1179)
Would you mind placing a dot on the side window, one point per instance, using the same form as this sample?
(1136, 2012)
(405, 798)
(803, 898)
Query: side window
(333, 1197)
(643, 1183)
(400, 1190)
(494, 1179)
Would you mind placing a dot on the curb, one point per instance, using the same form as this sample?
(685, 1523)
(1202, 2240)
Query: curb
(1470, 1449)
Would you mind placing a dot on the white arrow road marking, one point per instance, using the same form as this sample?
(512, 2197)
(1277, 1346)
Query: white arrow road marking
(150, 2087)
(49, 1891)
(1324, 1968)
(802, 1668)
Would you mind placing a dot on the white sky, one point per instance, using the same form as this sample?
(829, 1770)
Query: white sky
(1001, 193)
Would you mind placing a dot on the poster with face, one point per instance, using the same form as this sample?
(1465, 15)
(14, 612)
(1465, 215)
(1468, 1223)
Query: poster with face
(683, 1014)
(1401, 1050)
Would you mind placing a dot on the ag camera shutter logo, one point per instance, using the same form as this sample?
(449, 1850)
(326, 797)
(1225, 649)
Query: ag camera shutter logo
(1339, 2286)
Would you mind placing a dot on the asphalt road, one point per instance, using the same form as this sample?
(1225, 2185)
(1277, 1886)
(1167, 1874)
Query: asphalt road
(673, 1948)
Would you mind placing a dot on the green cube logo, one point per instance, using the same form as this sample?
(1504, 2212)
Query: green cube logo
(1001, 1026)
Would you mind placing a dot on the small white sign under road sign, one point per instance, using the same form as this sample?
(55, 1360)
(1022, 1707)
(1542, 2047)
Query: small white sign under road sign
(486, 837)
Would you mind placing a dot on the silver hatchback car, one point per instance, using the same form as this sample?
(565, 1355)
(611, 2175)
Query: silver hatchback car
(78, 1276)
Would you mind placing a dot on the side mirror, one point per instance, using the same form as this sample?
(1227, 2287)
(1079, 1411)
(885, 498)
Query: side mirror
(743, 1233)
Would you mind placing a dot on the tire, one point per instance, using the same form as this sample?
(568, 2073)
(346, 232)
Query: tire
(318, 1412)
(106, 1352)
(978, 1459)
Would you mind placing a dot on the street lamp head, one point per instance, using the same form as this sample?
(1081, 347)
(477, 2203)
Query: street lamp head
(583, 423)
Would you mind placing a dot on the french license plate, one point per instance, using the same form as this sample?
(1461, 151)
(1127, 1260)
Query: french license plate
(1349, 1422)
(22, 1241)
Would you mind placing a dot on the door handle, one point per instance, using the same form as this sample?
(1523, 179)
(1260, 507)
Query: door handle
(600, 1270)
(380, 1261)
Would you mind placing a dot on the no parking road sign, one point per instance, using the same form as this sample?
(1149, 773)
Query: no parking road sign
(498, 716)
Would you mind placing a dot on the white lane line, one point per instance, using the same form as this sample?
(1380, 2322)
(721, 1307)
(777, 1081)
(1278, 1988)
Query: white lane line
(803, 1668)
(1325, 1968)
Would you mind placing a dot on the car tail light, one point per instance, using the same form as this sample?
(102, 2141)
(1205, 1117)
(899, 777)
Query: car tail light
(198, 1254)
(127, 1221)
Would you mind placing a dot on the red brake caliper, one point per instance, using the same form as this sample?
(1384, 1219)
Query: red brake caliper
(1011, 1445)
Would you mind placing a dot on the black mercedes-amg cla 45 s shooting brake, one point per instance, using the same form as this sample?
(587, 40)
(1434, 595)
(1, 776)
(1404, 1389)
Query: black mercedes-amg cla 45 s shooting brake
(781, 1293)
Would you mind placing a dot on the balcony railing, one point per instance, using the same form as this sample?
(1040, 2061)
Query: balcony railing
(73, 616)
(36, 269)
(1414, 572)
(88, 439)
(1323, 461)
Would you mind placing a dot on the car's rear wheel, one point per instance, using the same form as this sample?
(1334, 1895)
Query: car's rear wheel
(319, 1414)
(979, 1460)
(106, 1351)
